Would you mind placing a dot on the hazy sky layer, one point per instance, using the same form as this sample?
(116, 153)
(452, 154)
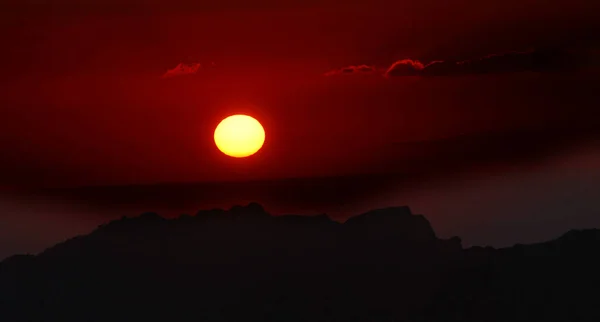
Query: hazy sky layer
(499, 206)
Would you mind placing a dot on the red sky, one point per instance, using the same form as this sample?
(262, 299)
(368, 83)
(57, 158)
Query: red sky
(82, 101)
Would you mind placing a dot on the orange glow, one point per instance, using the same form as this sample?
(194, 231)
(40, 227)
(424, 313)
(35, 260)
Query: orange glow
(239, 136)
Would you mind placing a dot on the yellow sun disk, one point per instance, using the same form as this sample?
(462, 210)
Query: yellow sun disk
(239, 136)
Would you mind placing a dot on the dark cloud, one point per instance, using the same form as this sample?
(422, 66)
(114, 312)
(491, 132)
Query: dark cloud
(358, 69)
(525, 61)
(552, 60)
(182, 69)
(405, 67)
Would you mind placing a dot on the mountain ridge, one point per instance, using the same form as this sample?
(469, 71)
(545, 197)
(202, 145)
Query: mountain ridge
(242, 264)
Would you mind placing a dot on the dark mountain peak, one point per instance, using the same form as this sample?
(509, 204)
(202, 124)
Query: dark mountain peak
(126, 224)
(298, 220)
(383, 215)
(252, 209)
(578, 240)
(454, 243)
(209, 213)
(20, 259)
(392, 222)
(150, 216)
(589, 235)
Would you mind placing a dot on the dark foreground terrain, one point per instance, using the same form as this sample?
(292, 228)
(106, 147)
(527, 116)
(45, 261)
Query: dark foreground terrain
(245, 265)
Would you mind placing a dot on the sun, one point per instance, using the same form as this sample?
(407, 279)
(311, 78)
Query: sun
(239, 136)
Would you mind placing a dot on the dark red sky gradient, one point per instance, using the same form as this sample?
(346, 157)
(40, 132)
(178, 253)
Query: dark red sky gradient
(83, 130)
(82, 101)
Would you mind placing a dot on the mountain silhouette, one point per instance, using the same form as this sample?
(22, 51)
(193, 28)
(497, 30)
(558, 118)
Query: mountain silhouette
(243, 264)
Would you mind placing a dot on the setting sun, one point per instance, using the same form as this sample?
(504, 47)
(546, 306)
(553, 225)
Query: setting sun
(239, 136)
